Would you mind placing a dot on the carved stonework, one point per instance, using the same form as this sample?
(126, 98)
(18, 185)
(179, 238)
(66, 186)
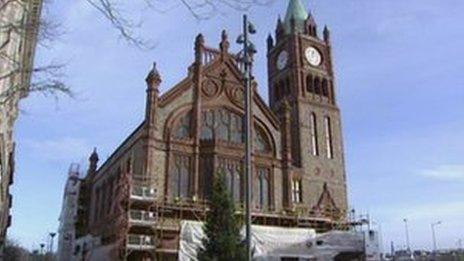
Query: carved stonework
(236, 95)
(211, 89)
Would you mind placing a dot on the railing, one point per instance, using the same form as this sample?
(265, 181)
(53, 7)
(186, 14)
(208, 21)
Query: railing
(141, 242)
(141, 217)
(209, 55)
(142, 193)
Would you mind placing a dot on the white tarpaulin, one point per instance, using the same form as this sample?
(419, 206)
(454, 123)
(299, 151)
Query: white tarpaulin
(273, 243)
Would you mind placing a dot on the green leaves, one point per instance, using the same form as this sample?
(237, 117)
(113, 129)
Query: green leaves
(222, 226)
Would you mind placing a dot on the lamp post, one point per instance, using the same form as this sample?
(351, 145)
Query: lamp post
(52, 236)
(247, 59)
(407, 234)
(42, 246)
(433, 235)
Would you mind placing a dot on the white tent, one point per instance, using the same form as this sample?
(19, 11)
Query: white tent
(273, 243)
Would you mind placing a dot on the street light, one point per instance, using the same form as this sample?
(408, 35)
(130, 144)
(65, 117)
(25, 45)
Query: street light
(248, 51)
(42, 246)
(52, 236)
(433, 235)
(407, 234)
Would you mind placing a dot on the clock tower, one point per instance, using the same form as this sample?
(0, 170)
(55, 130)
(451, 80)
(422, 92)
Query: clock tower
(301, 85)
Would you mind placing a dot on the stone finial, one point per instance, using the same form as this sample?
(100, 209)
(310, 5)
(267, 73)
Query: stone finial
(93, 163)
(270, 42)
(94, 156)
(154, 78)
(326, 34)
(224, 45)
(199, 40)
(199, 43)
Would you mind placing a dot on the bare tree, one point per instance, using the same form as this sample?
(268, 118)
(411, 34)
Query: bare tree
(113, 11)
(21, 28)
(48, 79)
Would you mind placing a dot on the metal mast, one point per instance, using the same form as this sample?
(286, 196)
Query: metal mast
(247, 59)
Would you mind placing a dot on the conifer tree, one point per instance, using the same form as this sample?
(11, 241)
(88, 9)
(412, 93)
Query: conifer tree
(222, 227)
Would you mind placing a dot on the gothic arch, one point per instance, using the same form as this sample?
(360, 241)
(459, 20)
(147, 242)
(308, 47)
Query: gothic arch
(173, 118)
(270, 140)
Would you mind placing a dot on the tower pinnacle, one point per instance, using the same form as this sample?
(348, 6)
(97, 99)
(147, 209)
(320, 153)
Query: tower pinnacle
(296, 11)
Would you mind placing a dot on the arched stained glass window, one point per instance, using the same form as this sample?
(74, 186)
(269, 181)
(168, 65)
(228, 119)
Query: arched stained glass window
(222, 124)
(182, 128)
(180, 177)
(207, 129)
(236, 129)
(261, 143)
(232, 173)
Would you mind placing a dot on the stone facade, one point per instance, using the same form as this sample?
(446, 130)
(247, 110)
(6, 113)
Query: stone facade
(162, 172)
(19, 20)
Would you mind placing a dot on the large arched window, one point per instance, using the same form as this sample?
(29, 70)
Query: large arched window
(180, 178)
(182, 127)
(221, 124)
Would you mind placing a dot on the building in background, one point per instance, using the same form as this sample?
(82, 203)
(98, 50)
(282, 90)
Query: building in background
(18, 36)
(133, 204)
(68, 216)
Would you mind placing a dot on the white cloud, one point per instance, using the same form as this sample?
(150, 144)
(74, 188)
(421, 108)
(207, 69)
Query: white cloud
(445, 173)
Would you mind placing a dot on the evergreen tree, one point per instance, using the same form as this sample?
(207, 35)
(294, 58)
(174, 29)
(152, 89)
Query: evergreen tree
(222, 227)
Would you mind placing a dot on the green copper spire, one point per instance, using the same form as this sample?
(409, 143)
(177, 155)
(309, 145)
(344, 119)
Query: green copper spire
(296, 10)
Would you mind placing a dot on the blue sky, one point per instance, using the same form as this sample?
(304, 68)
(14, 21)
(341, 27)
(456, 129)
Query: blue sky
(400, 87)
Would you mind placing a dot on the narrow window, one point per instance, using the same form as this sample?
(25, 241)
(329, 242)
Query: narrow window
(232, 170)
(309, 84)
(263, 189)
(296, 191)
(314, 145)
(236, 129)
(317, 85)
(325, 88)
(180, 177)
(222, 121)
(184, 177)
(328, 137)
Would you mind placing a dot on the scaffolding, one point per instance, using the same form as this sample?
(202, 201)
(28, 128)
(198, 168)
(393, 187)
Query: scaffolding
(149, 225)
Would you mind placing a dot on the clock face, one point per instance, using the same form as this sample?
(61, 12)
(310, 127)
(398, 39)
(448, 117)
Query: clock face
(282, 60)
(313, 56)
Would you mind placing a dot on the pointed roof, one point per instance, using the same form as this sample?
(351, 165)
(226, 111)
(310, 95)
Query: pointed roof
(295, 10)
